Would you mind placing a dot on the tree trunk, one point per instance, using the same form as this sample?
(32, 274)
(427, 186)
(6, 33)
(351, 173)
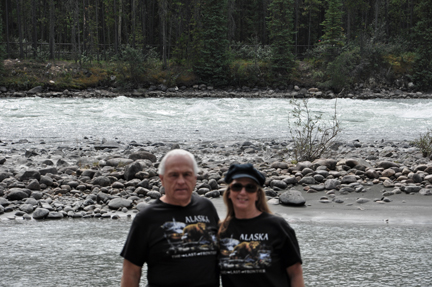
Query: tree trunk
(34, 34)
(116, 43)
(74, 10)
(119, 33)
(51, 30)
(163, 10)
(7, 29)
(21, 51)
(133, 23)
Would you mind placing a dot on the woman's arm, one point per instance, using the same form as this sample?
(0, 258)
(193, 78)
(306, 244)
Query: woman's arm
(295, 273)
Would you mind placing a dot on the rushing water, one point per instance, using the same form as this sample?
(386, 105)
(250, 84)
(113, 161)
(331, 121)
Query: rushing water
(80, 252)
(178, 119)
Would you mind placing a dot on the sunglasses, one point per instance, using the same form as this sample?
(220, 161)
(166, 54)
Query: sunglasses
(250, 188)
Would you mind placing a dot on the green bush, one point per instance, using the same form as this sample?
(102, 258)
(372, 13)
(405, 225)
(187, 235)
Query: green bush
(424, 143)
(312, 136)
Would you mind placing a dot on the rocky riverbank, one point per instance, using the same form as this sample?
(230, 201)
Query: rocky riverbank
(110, 179)
(203, 91)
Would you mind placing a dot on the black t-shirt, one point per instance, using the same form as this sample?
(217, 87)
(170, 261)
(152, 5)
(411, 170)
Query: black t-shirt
(178, 243)
(257, 252)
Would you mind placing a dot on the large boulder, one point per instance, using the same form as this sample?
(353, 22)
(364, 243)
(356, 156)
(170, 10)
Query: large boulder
(131, 170)
(143, 155)
(29, 174)
(101, 181)
(40, 213)
(332, 184)
(292, 197)
(117, 203)
(18, 193)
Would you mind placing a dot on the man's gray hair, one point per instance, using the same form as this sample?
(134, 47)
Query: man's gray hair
(161, 169)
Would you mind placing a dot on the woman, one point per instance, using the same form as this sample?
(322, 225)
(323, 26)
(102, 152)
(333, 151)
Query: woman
(257, 248)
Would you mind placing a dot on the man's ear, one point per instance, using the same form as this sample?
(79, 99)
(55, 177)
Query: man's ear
(161, 178)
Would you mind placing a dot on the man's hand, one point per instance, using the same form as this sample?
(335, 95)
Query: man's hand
(131, 274)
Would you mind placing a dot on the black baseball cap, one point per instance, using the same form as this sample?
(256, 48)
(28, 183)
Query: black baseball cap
(244, 170)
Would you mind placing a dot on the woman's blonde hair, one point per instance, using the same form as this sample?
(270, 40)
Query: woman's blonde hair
(261, 205)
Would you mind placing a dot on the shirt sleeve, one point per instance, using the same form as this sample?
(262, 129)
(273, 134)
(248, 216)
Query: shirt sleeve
(135, 248)
(290, 248)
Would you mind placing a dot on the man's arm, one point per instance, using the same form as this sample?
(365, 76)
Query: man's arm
(295, 273)
(131, 274)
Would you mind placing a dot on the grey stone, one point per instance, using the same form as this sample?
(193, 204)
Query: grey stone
(29, 174)
(318, 187)
(213, 184)
(35, 90)
(203, 190)
(307, 180)
(332, 184)
(101, 181)
(27, 208)
(349, 178)
(425, 191)
(48, 181)
(270, 192)
(131, 170)
(37, 195)
(118, 162)
(278, 183)
(2, 209)
(40, 213)
(34, 185)
(4, 175)
(387, 164)
(154, 194)
(417, 178)
(117, 203)
(55, 215)
(52, 170)
(143, 155)
(4, 201)
(212, 194)
(89, 172)
(102, 197)
(31, 201)
(18, 193)
(362, 200)
(412, 188)
(292, 197)
(281, 165)
(290, 180)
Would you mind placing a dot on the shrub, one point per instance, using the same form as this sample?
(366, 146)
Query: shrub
(312, 136)
(424, 143)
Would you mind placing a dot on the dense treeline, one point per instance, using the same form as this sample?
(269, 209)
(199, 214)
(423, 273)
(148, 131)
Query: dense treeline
(334, 34)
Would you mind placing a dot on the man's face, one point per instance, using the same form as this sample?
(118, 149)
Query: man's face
(179, 180)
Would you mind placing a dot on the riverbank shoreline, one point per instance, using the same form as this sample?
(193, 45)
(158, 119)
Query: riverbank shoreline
(380, 182)
(203, 91)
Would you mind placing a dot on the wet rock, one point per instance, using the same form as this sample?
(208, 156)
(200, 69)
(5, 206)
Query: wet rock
(55, 215)
(52, 170)
(349, 179)
(101, 181)
(131, 170)
(331, 184)
(27, 208)
(362, 200)
(40, 213)
(212, 194)
(425, 191)
(143, 155)
(117, 203)
(33, 185)
(292, 197)
(28, 174)
(307, 180)
(18, 193)
(279, 184)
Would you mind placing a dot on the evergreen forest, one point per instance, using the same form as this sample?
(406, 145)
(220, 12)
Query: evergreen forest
(332, 44)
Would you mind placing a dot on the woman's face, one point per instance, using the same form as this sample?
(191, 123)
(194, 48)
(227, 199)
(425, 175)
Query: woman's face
(243, 201)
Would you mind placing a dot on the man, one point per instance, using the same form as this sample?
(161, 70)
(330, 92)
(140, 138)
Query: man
(175, 235)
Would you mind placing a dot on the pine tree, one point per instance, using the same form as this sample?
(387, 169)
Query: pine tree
(280, 24)
(423, 41)
(2, 49)
(212, 62)
(333, 31)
